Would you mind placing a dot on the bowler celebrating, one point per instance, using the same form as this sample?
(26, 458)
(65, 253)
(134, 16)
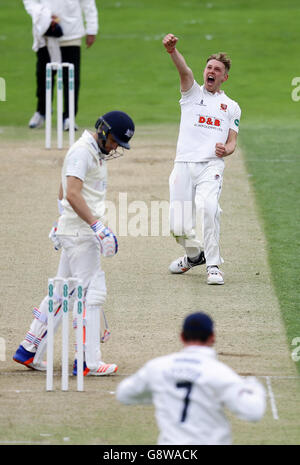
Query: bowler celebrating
(208, 133)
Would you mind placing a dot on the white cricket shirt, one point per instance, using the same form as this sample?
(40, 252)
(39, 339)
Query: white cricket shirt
(189, 390)
(205, 120)
(83, 162)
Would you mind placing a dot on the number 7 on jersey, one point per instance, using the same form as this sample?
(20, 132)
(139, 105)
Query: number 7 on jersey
(188, 386)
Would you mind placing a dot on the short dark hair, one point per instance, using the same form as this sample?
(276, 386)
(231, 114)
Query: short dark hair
(197, 327)
(189, 336)
(223, 58)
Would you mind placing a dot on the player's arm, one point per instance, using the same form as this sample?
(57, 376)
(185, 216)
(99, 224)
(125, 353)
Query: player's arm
(107, 239)
(223, 150)
(135, 389)
(185, 73)
(60, 192)
(76, 200)
(91, 18)
(246, 398)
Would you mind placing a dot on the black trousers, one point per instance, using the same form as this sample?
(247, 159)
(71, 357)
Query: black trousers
(70, 55)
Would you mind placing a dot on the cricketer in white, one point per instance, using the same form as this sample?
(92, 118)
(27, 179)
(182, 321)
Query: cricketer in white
(208, 132)
(83, 238)
(190, 390)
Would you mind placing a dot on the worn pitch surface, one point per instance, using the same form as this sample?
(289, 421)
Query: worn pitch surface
(145, 304)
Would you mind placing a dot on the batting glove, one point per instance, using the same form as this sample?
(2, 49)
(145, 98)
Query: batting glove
(54, 238)
(107, 239)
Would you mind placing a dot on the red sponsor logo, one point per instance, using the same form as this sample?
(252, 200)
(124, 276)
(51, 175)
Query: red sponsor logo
(209, 120)
(223, 106)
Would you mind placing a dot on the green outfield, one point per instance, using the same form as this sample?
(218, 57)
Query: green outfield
(128, 69)
(272, 156)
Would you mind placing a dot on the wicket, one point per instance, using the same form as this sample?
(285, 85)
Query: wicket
(59, 103)
(65, 332)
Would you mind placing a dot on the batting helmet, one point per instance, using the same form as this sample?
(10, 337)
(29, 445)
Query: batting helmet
(118, 124)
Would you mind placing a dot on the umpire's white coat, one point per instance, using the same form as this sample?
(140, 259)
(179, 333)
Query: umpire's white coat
(189, 390)
(70, 14)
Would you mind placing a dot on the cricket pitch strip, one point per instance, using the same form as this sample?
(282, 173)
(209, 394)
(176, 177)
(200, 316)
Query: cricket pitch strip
(145, 304)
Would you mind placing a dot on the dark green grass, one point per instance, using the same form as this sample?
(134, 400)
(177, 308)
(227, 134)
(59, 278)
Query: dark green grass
(128, 69)
(274, 166)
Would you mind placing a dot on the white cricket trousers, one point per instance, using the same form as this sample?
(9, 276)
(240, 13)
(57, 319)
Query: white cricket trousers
(195, 190)
(80, 258)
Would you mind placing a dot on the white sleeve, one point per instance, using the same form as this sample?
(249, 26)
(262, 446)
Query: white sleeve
(90, 15)
(41, 16)
(32, 6)
(246, 398)
(135, 389)
(235, 118)
(78, 163)
(191, 94)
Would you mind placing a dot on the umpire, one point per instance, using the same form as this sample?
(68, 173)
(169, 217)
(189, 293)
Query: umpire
(58, 27)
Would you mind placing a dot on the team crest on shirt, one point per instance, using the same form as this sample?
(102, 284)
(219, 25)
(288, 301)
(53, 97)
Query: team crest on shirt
(223, 107)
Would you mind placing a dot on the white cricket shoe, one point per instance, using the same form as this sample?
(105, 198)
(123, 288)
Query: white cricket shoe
(39, 366)
(183, 264)
(66, 125)
(214, 275)
(37, 121)
(103, 370)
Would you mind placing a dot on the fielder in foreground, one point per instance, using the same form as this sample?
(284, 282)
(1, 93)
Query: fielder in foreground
(191, 388)
(208, 133)
(83, 238)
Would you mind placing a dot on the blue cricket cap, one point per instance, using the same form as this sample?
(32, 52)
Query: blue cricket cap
(198, 322)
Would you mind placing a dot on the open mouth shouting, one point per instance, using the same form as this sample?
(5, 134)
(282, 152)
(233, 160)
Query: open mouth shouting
(210, 80)
(214, 75)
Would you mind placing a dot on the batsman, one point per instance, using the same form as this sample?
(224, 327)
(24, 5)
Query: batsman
(83, 239)
(208, 133)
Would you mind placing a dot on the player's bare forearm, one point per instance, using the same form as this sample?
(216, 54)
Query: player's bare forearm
(223, 150)
(60, 192)
(89, 40)
(185, 73)
(80, 207)
(230, 147)
(77, 202)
